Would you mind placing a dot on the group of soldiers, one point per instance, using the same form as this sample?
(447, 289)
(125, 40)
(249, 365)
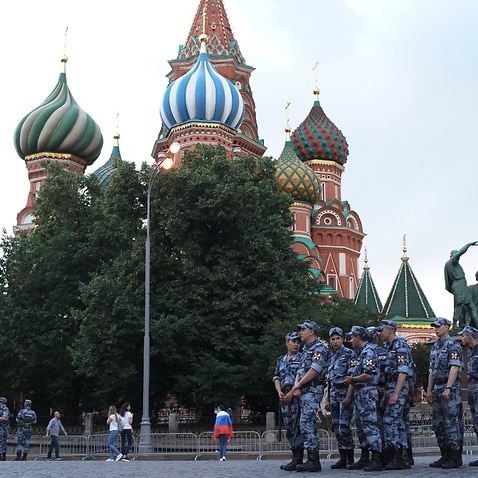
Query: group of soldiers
(25, 419)
(373, 385)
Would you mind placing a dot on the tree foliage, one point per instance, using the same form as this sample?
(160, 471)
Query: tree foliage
(225, 287)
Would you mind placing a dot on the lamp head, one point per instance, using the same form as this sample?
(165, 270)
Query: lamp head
(174, 148)
(167, 163)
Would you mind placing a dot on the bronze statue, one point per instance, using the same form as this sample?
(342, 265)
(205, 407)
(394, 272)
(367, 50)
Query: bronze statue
(465, 312)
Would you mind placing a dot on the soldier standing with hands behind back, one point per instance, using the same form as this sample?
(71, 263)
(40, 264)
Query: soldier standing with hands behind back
(338, 365)
(26, 418)
(284, 379)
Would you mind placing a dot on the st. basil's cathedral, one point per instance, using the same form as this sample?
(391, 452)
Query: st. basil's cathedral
(209, 100)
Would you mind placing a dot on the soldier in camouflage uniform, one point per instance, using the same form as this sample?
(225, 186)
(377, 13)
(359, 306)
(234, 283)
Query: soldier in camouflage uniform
(26, 418)
(444, 394)
(338, 366)
(309, 386)
(397, 368)
(470, 340)
(363, 384)
(4, 427)
(284, 379)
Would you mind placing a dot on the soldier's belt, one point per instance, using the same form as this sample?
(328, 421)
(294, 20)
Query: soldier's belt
(287, 389)
(441, 381)
(339, 385)
(472, 379)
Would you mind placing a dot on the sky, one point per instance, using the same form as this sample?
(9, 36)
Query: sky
(399, 78)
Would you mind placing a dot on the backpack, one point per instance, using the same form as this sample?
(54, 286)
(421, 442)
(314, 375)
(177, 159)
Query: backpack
(120, 424)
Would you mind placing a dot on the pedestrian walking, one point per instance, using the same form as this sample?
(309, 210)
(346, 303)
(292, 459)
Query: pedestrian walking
(222, 430)
(338, 364)
(113, 420)
(4, 427)
(53, 429)
(470, 340)
(26, 418)
(126, 418)
(309, 387)
(444, 394)
(284, 379)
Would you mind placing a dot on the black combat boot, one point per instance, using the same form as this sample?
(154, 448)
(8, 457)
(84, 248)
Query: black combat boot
(376, 462)
(19, 456)
(24, 457)
(445, 453)
(454, 460)
(473, 463)
(407, 464)
(312, 463)
(3, 457)
(349, 457)
(362, 461)
(342, 462)
(396, 463)
(297, 459)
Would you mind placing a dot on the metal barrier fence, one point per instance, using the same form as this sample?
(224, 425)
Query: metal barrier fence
(271, 444)
(70, 445)
(243, 443)
(170, 443)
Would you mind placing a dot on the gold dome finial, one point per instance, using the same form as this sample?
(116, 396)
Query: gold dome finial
(116, 136)
(64, 58)
(287, 125)
(203, 38)
(366, 266)
(315, 69)
(404, 256)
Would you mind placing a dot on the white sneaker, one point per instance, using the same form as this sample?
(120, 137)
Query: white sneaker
(223, 458)
(118, 458)
(110, 459)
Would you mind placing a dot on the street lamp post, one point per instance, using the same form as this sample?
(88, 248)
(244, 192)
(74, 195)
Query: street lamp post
(145, 445)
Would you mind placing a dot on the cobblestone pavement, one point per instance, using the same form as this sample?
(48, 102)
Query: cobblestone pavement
(232, 468)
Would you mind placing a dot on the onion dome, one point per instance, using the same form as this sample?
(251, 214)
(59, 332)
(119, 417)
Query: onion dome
(295, 177)
(318, 138)
(202, 95)
(105, 173)
(59, 125)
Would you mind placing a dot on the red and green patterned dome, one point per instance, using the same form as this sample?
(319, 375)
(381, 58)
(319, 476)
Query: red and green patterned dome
(318, 138)
(295, 177)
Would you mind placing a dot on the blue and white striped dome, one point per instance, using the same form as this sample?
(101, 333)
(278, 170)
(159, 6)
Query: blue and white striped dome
(202, 95)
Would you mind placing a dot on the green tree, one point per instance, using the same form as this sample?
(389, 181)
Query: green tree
(42, 275)
(107, 349)
(224, 275)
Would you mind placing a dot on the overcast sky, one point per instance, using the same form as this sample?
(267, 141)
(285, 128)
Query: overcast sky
(398, 77)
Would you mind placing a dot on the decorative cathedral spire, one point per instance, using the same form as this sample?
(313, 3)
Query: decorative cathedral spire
(407, 299)
(367, 295)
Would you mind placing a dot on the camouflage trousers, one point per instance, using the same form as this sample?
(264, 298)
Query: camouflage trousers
(290, 417)
(23, 440)
(447, 419)
(367, 417)
(3, 439)
(341, 418)
(393, 422)
(473, 402)
(309, 406)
